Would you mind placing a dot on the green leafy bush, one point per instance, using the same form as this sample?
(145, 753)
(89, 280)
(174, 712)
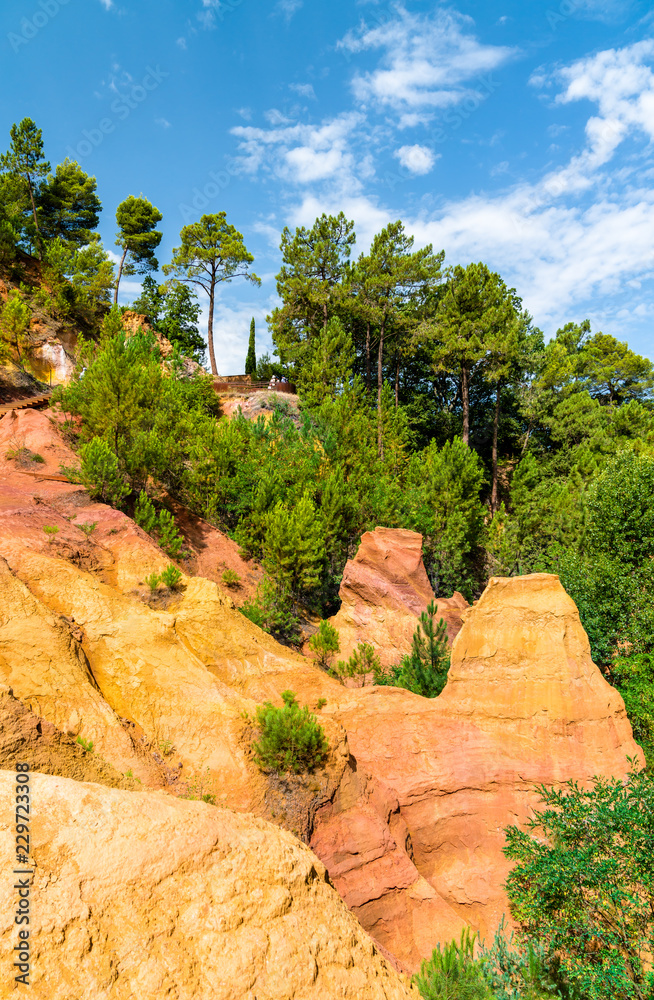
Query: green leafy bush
(85, 744)
(153, 581)
(144, 513)
(290, 738)
(324, 644)
(454, 973)
(51, 531)
(582, 885)
(170, 539)
(88, 528)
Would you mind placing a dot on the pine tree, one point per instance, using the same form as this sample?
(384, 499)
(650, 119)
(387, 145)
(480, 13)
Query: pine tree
(251, 359)
(68, 206)
(137, 237)
(294, 548)
(25, 159)
(211, 251)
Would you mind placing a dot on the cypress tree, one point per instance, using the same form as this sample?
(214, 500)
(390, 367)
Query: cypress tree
(251, 360)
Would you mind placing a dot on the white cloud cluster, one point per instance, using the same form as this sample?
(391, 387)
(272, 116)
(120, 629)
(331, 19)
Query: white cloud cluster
(416, 159)
(426, 62)
(304, 153)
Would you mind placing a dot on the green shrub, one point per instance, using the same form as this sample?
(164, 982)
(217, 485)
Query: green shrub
(324, 644)
(85, 744)
(170, 539)
(231, 578)
(520, 969)
(88, 528)
(582, 884)
(273, 611)
(153, 581)
(424, 669)
(51, 530)
(321, 703)
(454, 973)
(160, 525)
(290, 738)
(144, 513)
(364, 660)
(99, 473)
(171, 576)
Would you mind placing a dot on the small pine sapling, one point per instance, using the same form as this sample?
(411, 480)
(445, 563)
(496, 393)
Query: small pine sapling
(290, 738)
(171, 577)
(51, 530)
(153, 581)
(324, 644)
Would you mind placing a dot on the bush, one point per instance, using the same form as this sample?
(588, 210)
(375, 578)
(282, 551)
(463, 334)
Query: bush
(582, 885)
(161, 525)
(272, 610)
(153, 581)
(454, 973)
(85, 744)
(424, 669)
(231, 578)
(171, 577)
(324, 644)
(51, 530)
(88, 528)
(290, 740)
(144, 513)
(170, 539)
(99, 473)
(520, 969)
(364, 660)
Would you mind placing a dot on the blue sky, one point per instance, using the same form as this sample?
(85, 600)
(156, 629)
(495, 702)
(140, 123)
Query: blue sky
(517, 134)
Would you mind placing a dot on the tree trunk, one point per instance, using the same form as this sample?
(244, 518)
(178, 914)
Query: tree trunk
(465, 401)
(496, 424)
(120, 272)
(368, 376)
(380, 447)
(324, 315)
(212, 356)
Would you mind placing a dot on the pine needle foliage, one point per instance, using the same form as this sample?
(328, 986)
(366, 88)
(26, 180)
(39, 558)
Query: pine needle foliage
(453, 973)
(424, 669)
(290, 738)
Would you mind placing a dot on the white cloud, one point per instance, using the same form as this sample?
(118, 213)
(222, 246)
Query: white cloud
(163, 122)
(304, 90)
(287, 8)
(425, 63)
(621, 83)
(416, 159)
(304, 153)
(107, 4)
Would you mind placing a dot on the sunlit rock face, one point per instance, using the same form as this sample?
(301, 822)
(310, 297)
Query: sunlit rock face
(143, 895)
(408, 818)
(383, 592)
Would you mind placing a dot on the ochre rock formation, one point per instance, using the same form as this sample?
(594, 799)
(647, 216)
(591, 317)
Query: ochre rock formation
(142, 895)
(408, 818)
(384, 590)
(524, 704)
